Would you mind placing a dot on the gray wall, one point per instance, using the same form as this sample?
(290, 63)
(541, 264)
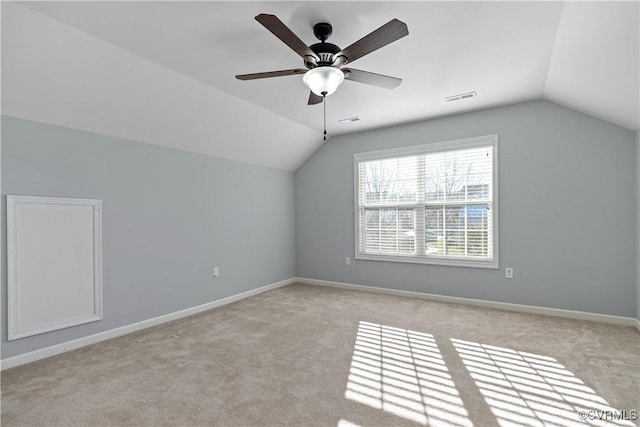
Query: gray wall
(567, 221)
(638, 224)
(169, 217)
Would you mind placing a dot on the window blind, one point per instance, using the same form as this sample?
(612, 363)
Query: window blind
(432, 202)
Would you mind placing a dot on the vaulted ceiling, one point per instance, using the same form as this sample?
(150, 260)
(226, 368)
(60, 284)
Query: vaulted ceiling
(163, 72)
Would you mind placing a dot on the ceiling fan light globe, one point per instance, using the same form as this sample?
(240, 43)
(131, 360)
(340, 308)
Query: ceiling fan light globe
(323, 81)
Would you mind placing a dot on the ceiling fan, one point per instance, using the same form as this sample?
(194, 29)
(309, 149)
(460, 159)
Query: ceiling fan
(324, 62)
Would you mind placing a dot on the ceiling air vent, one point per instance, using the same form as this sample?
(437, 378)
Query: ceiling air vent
(460, 97)
(349, 120)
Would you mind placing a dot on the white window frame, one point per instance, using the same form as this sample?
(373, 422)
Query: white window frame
(457, 144)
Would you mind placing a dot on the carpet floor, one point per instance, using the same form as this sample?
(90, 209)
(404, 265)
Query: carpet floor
(305, 355)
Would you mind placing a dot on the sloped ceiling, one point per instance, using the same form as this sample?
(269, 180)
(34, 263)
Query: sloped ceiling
(163, 72)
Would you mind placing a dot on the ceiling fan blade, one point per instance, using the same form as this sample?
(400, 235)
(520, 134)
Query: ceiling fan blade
(268, 74)
(281, 31)
(314, 99)
(370, 78)
(388, 33)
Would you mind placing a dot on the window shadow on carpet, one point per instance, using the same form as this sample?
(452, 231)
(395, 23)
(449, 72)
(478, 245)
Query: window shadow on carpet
(403, 372)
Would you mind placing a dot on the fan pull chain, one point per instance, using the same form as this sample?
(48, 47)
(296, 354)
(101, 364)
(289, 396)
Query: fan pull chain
(324, 103)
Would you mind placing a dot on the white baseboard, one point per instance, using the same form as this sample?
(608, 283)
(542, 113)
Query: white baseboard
(53, 350)
(124, 330)
(570, 314)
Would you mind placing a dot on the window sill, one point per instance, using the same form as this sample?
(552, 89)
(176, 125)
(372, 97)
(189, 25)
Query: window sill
(493, 264)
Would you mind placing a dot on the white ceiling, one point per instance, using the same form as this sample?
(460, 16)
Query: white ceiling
(163, 72)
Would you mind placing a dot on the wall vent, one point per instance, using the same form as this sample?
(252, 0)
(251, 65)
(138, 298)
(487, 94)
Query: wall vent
(349, 120)
(460, 97)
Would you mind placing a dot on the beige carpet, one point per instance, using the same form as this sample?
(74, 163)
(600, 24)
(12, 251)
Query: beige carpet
(313, 356)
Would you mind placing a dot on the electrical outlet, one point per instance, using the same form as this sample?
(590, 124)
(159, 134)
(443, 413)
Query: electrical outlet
(216, 272)
(347, 261)
(508, 273)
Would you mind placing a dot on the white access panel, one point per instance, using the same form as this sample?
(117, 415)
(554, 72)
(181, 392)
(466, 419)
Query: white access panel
(54, 266)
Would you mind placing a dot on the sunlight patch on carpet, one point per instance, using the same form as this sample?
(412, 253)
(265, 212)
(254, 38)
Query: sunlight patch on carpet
(402, 372)
(525, 389)
(345, 423)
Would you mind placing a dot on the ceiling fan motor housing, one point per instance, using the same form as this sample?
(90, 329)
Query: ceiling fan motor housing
(325, 51)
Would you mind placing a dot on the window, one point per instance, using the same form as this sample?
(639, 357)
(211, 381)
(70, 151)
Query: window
(435, 203)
